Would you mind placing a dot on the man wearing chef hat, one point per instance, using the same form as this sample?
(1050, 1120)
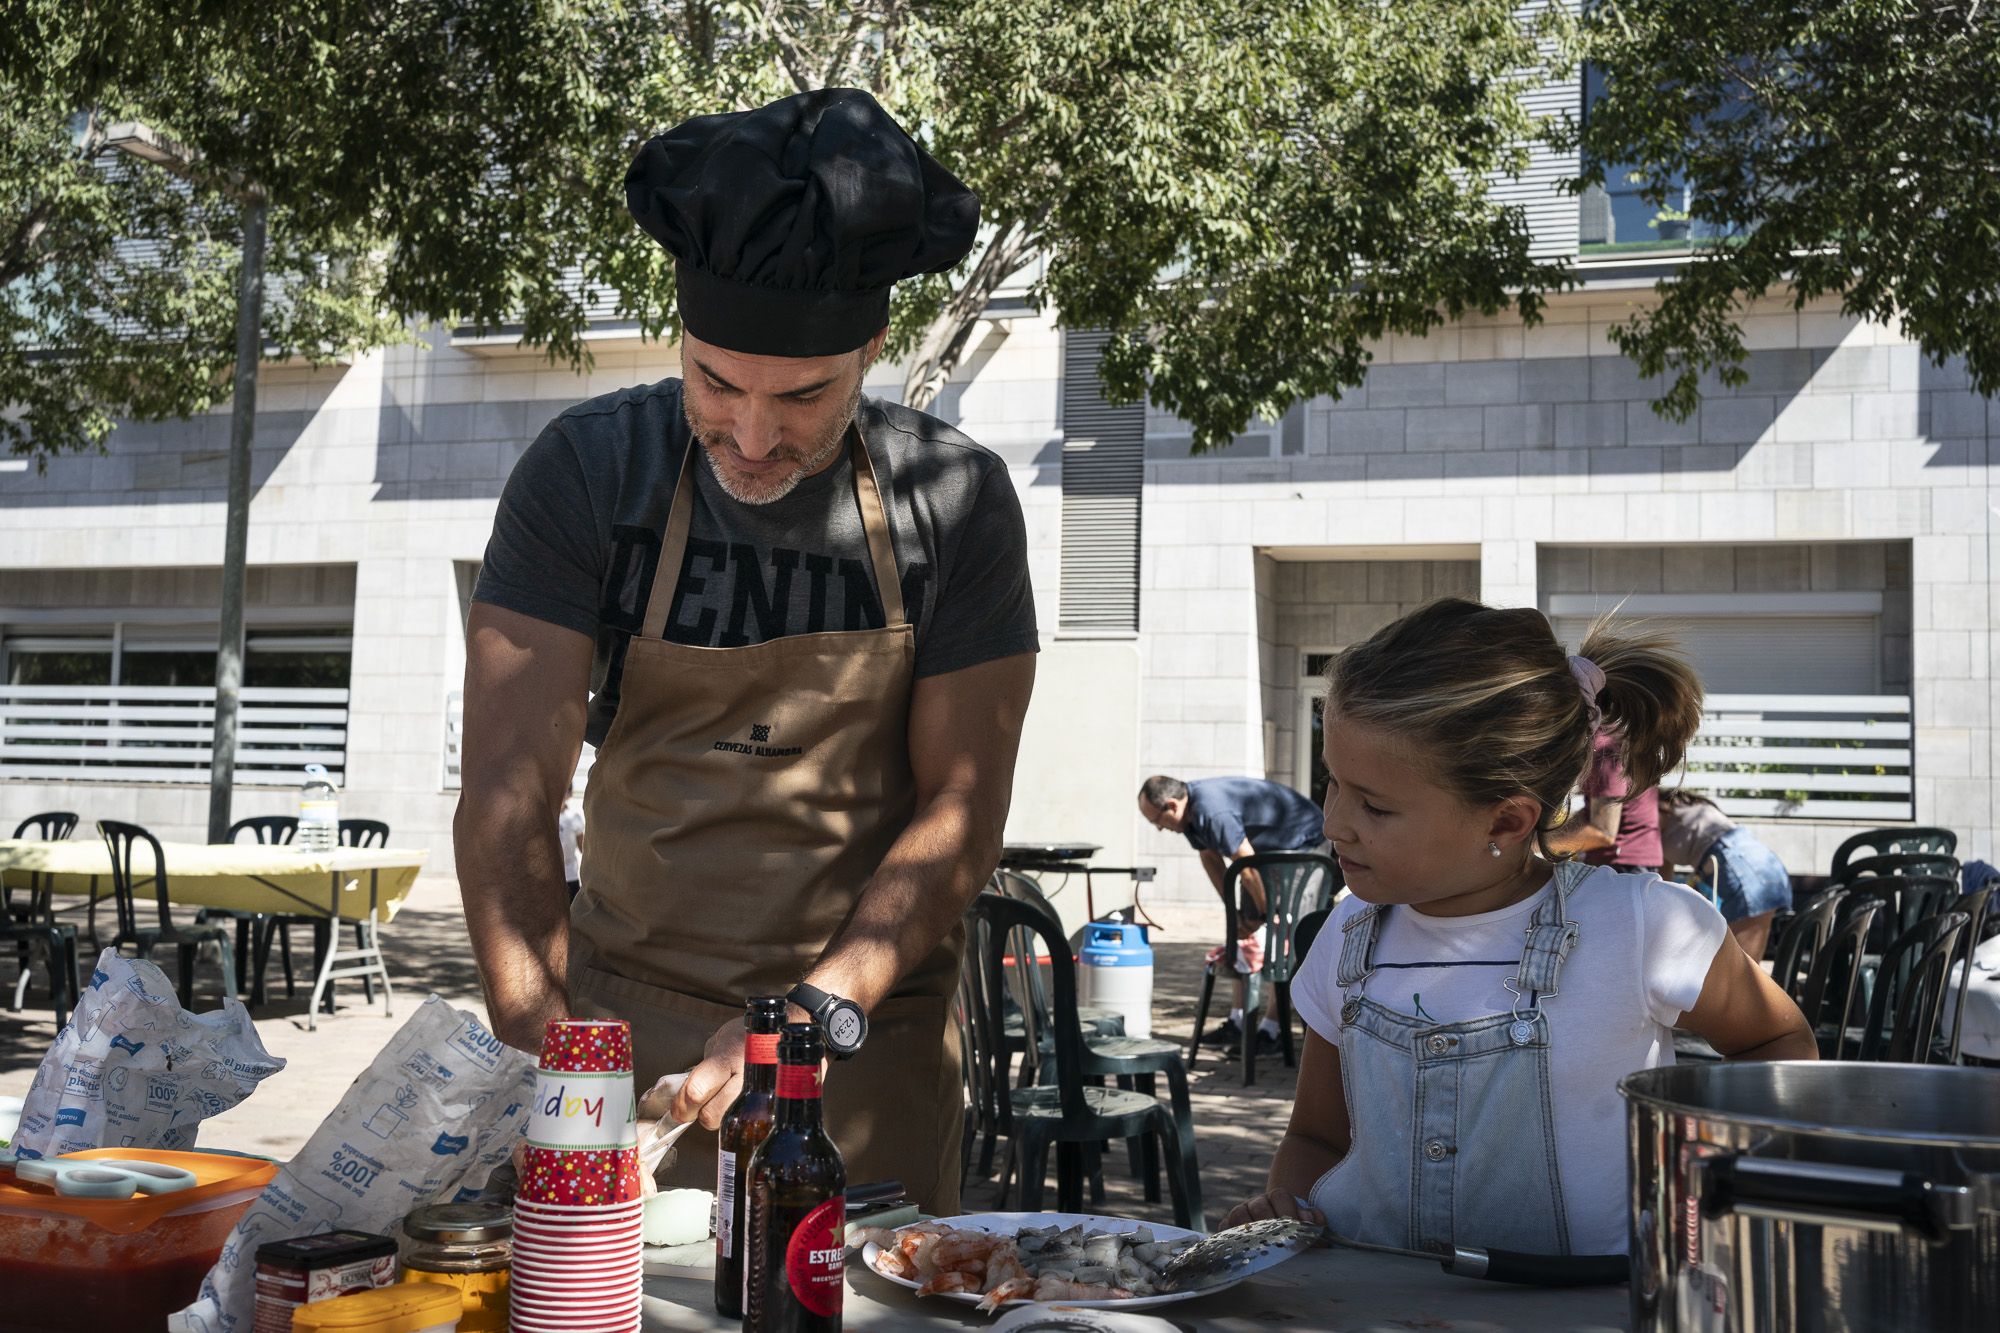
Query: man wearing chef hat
(796, 624)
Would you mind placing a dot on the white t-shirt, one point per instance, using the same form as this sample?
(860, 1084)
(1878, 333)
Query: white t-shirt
(1643, 950)
(569, 827)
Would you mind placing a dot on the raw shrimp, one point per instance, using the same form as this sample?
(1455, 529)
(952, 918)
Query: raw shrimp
(1004, 1265)
(919, 1250)
(893, 1248)
(945, 1283)
(1013, 1289)
(966, 1251)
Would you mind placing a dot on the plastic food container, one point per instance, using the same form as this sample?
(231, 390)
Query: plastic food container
(417, 1307)
(92, 1265)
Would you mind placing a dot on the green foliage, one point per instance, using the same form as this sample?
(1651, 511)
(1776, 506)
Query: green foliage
(1841, 148)
(1311, 176)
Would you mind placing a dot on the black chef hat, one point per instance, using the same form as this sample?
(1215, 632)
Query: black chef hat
(791, 222)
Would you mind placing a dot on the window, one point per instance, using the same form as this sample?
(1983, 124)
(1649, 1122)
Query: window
(1614, 219)
(137, 655)
(58, 661)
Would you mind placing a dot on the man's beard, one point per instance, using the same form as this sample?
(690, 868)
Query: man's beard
(810, 460)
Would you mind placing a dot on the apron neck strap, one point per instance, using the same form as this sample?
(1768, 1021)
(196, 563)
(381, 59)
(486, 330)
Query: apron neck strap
(680, 518)
(875, 522)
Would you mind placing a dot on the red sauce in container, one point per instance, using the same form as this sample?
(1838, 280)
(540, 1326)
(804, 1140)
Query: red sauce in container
(99, 1265)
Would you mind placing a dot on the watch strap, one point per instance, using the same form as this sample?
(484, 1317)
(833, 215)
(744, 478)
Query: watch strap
(821, 1004)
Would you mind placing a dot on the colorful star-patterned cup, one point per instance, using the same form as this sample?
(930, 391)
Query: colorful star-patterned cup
(582, 1148)
(588, 1046)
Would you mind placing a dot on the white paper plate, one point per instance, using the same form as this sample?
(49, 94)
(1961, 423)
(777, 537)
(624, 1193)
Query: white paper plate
(1006, 1224)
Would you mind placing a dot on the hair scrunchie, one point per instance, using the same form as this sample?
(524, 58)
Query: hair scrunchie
(1589, 679)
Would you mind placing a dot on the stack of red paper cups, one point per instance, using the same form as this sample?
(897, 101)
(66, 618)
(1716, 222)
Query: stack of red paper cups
(577, 1255)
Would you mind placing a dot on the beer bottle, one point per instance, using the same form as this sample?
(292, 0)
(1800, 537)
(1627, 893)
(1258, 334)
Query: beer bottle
(744, 1126)
(798, 1205)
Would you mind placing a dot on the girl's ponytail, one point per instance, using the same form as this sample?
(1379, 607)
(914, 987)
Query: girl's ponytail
(1651, 694)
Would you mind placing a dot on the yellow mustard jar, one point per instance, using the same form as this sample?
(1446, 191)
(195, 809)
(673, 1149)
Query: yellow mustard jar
(468, 1246)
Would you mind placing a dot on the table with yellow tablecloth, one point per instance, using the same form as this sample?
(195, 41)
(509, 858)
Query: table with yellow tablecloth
(365, 885)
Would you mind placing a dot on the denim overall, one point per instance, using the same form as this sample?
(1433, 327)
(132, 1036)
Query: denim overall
(1424, 1097)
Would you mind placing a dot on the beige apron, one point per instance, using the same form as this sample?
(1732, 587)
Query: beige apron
(742, 799)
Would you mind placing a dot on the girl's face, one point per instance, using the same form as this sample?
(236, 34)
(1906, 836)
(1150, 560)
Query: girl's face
(1402, 838)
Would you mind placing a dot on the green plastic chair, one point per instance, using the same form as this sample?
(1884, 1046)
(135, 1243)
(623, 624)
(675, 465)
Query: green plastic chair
(1888, 841)
(1910, 985)
(1295, 884)
(1070, 1110)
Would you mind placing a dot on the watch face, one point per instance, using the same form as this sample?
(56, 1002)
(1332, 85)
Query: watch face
(843, 1027)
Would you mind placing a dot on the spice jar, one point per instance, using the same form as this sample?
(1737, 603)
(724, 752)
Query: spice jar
(468, 1246)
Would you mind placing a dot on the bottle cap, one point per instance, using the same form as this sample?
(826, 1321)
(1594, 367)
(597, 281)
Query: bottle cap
(801, 1044)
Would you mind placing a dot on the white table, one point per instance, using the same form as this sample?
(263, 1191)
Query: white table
(1323, 1291)
(1981, 1036)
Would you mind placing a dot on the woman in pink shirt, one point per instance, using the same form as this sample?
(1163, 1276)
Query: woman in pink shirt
(1620, 828)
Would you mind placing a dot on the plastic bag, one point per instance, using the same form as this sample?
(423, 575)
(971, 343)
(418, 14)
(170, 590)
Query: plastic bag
(439, 1107)
(135, 1070)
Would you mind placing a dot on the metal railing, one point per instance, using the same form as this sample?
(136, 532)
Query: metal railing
(1804, 756)
(138, 733)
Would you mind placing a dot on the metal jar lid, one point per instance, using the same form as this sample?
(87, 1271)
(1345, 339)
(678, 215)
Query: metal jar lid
(473, 1223)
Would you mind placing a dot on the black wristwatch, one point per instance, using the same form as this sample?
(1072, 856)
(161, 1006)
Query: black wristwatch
(845, 1026)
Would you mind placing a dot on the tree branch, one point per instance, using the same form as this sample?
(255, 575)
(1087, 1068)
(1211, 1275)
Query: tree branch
(943, 344)
(17, 260)
(790, 54)
(892, 14)
(847, 52)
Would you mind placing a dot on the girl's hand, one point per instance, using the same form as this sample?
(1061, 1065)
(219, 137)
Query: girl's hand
(1272, 1203)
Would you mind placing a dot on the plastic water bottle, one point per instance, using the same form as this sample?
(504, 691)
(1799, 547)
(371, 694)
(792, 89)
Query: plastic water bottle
(319, 813)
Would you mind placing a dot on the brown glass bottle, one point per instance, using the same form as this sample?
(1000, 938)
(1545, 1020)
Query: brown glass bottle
(744, 1126)
(798, 1206)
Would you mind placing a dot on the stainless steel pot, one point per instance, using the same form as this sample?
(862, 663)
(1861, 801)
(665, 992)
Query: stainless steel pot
(1815, 1198)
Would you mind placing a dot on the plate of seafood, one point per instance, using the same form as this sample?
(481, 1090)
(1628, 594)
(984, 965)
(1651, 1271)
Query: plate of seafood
(989, 1260)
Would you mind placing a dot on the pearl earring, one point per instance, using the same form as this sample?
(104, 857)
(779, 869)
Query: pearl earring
(1493, 847)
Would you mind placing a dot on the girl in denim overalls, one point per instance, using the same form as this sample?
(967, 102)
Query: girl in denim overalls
(1474, 1002)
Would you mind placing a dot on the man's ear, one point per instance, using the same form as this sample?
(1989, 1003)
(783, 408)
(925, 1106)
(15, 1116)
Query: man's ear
(873, 348)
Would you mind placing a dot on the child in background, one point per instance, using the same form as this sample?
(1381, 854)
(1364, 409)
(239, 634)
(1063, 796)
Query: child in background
(1750, 883)
(1472, 1006)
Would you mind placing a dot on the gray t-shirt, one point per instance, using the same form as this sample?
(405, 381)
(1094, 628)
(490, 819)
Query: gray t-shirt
(578, 534)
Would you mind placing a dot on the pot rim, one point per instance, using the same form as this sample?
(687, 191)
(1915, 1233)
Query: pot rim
(1629, 1089)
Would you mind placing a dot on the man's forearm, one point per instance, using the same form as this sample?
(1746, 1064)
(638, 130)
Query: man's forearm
(1253, 892)
(510, 876)
(923, 886)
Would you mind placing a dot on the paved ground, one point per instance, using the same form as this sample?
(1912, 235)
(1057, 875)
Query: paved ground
(1236, 1127)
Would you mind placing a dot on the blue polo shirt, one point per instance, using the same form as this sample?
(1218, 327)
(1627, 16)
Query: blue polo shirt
(1223, 812)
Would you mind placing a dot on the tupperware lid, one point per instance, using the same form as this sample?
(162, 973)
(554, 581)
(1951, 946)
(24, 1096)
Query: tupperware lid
(218, 1178)
(406, 1309)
